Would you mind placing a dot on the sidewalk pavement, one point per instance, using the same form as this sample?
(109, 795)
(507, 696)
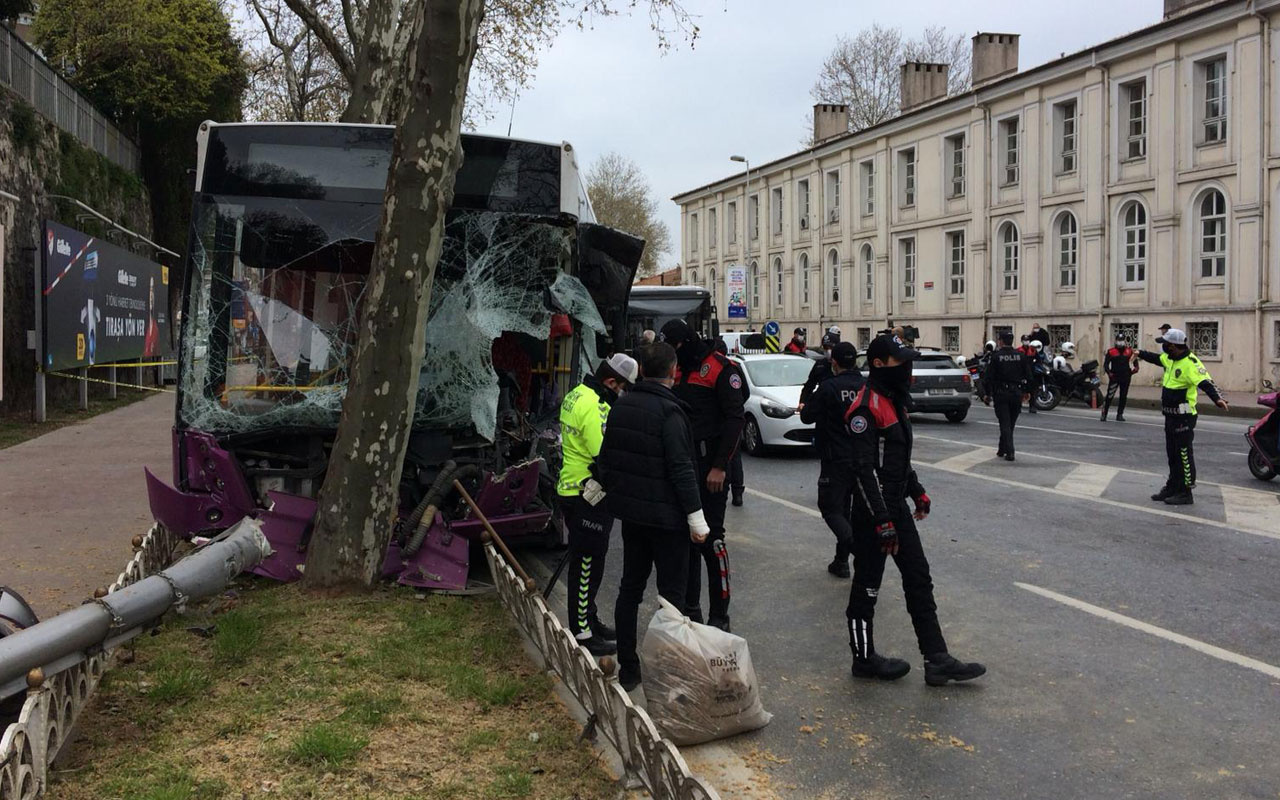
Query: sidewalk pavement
(72, 500)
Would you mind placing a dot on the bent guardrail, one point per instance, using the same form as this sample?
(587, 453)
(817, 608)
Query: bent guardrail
(646, 755)
(60, 661)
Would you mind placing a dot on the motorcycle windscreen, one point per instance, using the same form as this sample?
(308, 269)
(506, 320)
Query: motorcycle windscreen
(607, 264)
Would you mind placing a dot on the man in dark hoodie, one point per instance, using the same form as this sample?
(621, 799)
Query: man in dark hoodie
(880, 431)
(825, 411)
(713, 389)
(650, 477)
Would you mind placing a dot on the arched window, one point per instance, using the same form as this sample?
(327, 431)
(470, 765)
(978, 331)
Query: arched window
(1133, 218)
(1010, 257)
(833, 264)
(711, 278)
(755, 285)
(1213, 235)
(777, 285)
(802, 275)
(1068, 250)
(868, 273)
(693, 277)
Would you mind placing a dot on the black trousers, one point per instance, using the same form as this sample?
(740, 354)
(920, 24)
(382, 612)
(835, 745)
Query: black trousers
(589, 529)
(1122, 387)
(736, 478)
(645, 548)
(835, 487)
(712, 552)
(1008, 406)
(917, 584)
(1179, 435)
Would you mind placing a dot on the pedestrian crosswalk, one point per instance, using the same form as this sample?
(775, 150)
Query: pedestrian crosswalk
(1252, 511)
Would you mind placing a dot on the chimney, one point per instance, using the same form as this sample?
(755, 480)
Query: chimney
(922, 83)
(995, 55)
(1174, 8)
(829, 121)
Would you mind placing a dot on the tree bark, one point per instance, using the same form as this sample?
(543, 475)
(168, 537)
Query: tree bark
(377, 59)
(358, 501)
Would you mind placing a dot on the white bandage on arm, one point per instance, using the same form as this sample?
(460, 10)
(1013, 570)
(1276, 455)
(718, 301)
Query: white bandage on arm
(698, 523)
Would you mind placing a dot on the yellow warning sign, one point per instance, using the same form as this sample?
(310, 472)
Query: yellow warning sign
(772, 344)
(164, 275)
(79, 347)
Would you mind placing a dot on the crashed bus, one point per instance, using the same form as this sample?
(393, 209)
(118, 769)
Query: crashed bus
(528, 294)
(651, 307)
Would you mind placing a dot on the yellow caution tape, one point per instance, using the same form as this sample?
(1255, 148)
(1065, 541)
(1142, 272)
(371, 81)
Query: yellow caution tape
(132, 364)
(86, 378)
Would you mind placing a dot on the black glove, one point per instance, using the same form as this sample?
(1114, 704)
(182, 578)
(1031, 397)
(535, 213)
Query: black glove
(888, 537)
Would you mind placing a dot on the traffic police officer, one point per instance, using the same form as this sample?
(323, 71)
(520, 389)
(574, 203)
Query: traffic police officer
(825, 411)
(714, 391)
(880, 432)
(1184, 375)
(1007, 377)
(582, 421)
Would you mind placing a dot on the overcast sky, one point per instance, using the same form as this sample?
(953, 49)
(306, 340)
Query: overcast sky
(744, 88)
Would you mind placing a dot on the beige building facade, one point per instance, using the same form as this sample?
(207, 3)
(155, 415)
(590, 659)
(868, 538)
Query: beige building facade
(1112, 190)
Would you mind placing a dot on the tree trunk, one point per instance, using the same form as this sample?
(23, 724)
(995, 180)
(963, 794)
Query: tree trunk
(357, 504)
(372, 81)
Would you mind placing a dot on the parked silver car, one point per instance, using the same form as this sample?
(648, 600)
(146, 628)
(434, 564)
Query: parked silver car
(939, 384)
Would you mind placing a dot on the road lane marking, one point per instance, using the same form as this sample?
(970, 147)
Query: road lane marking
(1088, 480)
(1022, 452)
(1202, 426)
(1055, 430)
(1148, 628)
(780, 501)
(1160, 511)
(1249, 508)
(965, 461)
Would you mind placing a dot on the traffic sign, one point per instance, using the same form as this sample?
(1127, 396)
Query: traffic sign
(771, 331)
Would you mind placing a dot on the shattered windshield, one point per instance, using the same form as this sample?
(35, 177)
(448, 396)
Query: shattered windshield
(274, 312)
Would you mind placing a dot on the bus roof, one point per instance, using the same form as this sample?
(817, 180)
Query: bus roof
(669, 291)
(210, 123)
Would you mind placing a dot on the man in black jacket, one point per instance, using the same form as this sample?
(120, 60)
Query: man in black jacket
(821, 368)
(650, 479)
(1120, 367)
(825, 411)
(1007, 376)
(714, 391)
(880, 432)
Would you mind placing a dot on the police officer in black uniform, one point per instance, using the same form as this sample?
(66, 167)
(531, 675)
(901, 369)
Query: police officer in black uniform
(880, 432)
(714, 391)
(821, 368)
(825, 410)
(1006, 379)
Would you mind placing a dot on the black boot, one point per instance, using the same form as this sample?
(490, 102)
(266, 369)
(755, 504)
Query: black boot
(942, 668)
(1182, 498)
(1164, 492)
(737, 496)
(598, 628)
(721, 622)
(867, 663)
(839, 567)
(598, 646)
(629, 677)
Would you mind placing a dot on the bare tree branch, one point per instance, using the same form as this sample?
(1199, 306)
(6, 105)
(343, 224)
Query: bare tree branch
(341, 55)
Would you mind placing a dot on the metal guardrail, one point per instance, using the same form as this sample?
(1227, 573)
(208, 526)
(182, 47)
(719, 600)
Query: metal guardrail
(646, 755)
(64, 657)
(27, 74)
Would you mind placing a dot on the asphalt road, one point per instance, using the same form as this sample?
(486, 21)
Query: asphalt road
(1133, 648)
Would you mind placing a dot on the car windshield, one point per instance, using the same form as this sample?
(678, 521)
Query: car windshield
(935, 361)
(779, 371)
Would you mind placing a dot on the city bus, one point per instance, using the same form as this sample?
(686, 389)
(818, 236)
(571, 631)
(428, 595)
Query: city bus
(528, 294)
(651, 307)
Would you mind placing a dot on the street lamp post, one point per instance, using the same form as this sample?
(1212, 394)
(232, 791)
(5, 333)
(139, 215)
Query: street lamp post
(746, 217)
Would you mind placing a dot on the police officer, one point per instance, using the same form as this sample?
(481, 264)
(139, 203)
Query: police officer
(796, 345)
(1184, 375)
(583, 413)
(880, 433)
(1120, 368)
(1008, 375)
(825, 410)
(714, 391)
(737, 475)
(821, 368)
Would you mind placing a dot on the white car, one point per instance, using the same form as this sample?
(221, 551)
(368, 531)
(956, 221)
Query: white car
(774, 380)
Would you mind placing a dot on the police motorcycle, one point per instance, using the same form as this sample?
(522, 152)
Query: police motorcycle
(975, 364)
(1075, 384)
(15, 615)
(1045, 392)
(1264, 450)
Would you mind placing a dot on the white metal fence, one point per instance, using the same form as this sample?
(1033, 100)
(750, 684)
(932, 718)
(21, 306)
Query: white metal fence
(26, 73)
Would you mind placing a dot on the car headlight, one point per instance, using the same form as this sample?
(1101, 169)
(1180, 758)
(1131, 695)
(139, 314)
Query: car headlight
(775, 410)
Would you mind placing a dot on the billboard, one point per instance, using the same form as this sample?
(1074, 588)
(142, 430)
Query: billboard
(100, 304)
(736, 278)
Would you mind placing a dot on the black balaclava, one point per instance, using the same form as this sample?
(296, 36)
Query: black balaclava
(894, 382)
